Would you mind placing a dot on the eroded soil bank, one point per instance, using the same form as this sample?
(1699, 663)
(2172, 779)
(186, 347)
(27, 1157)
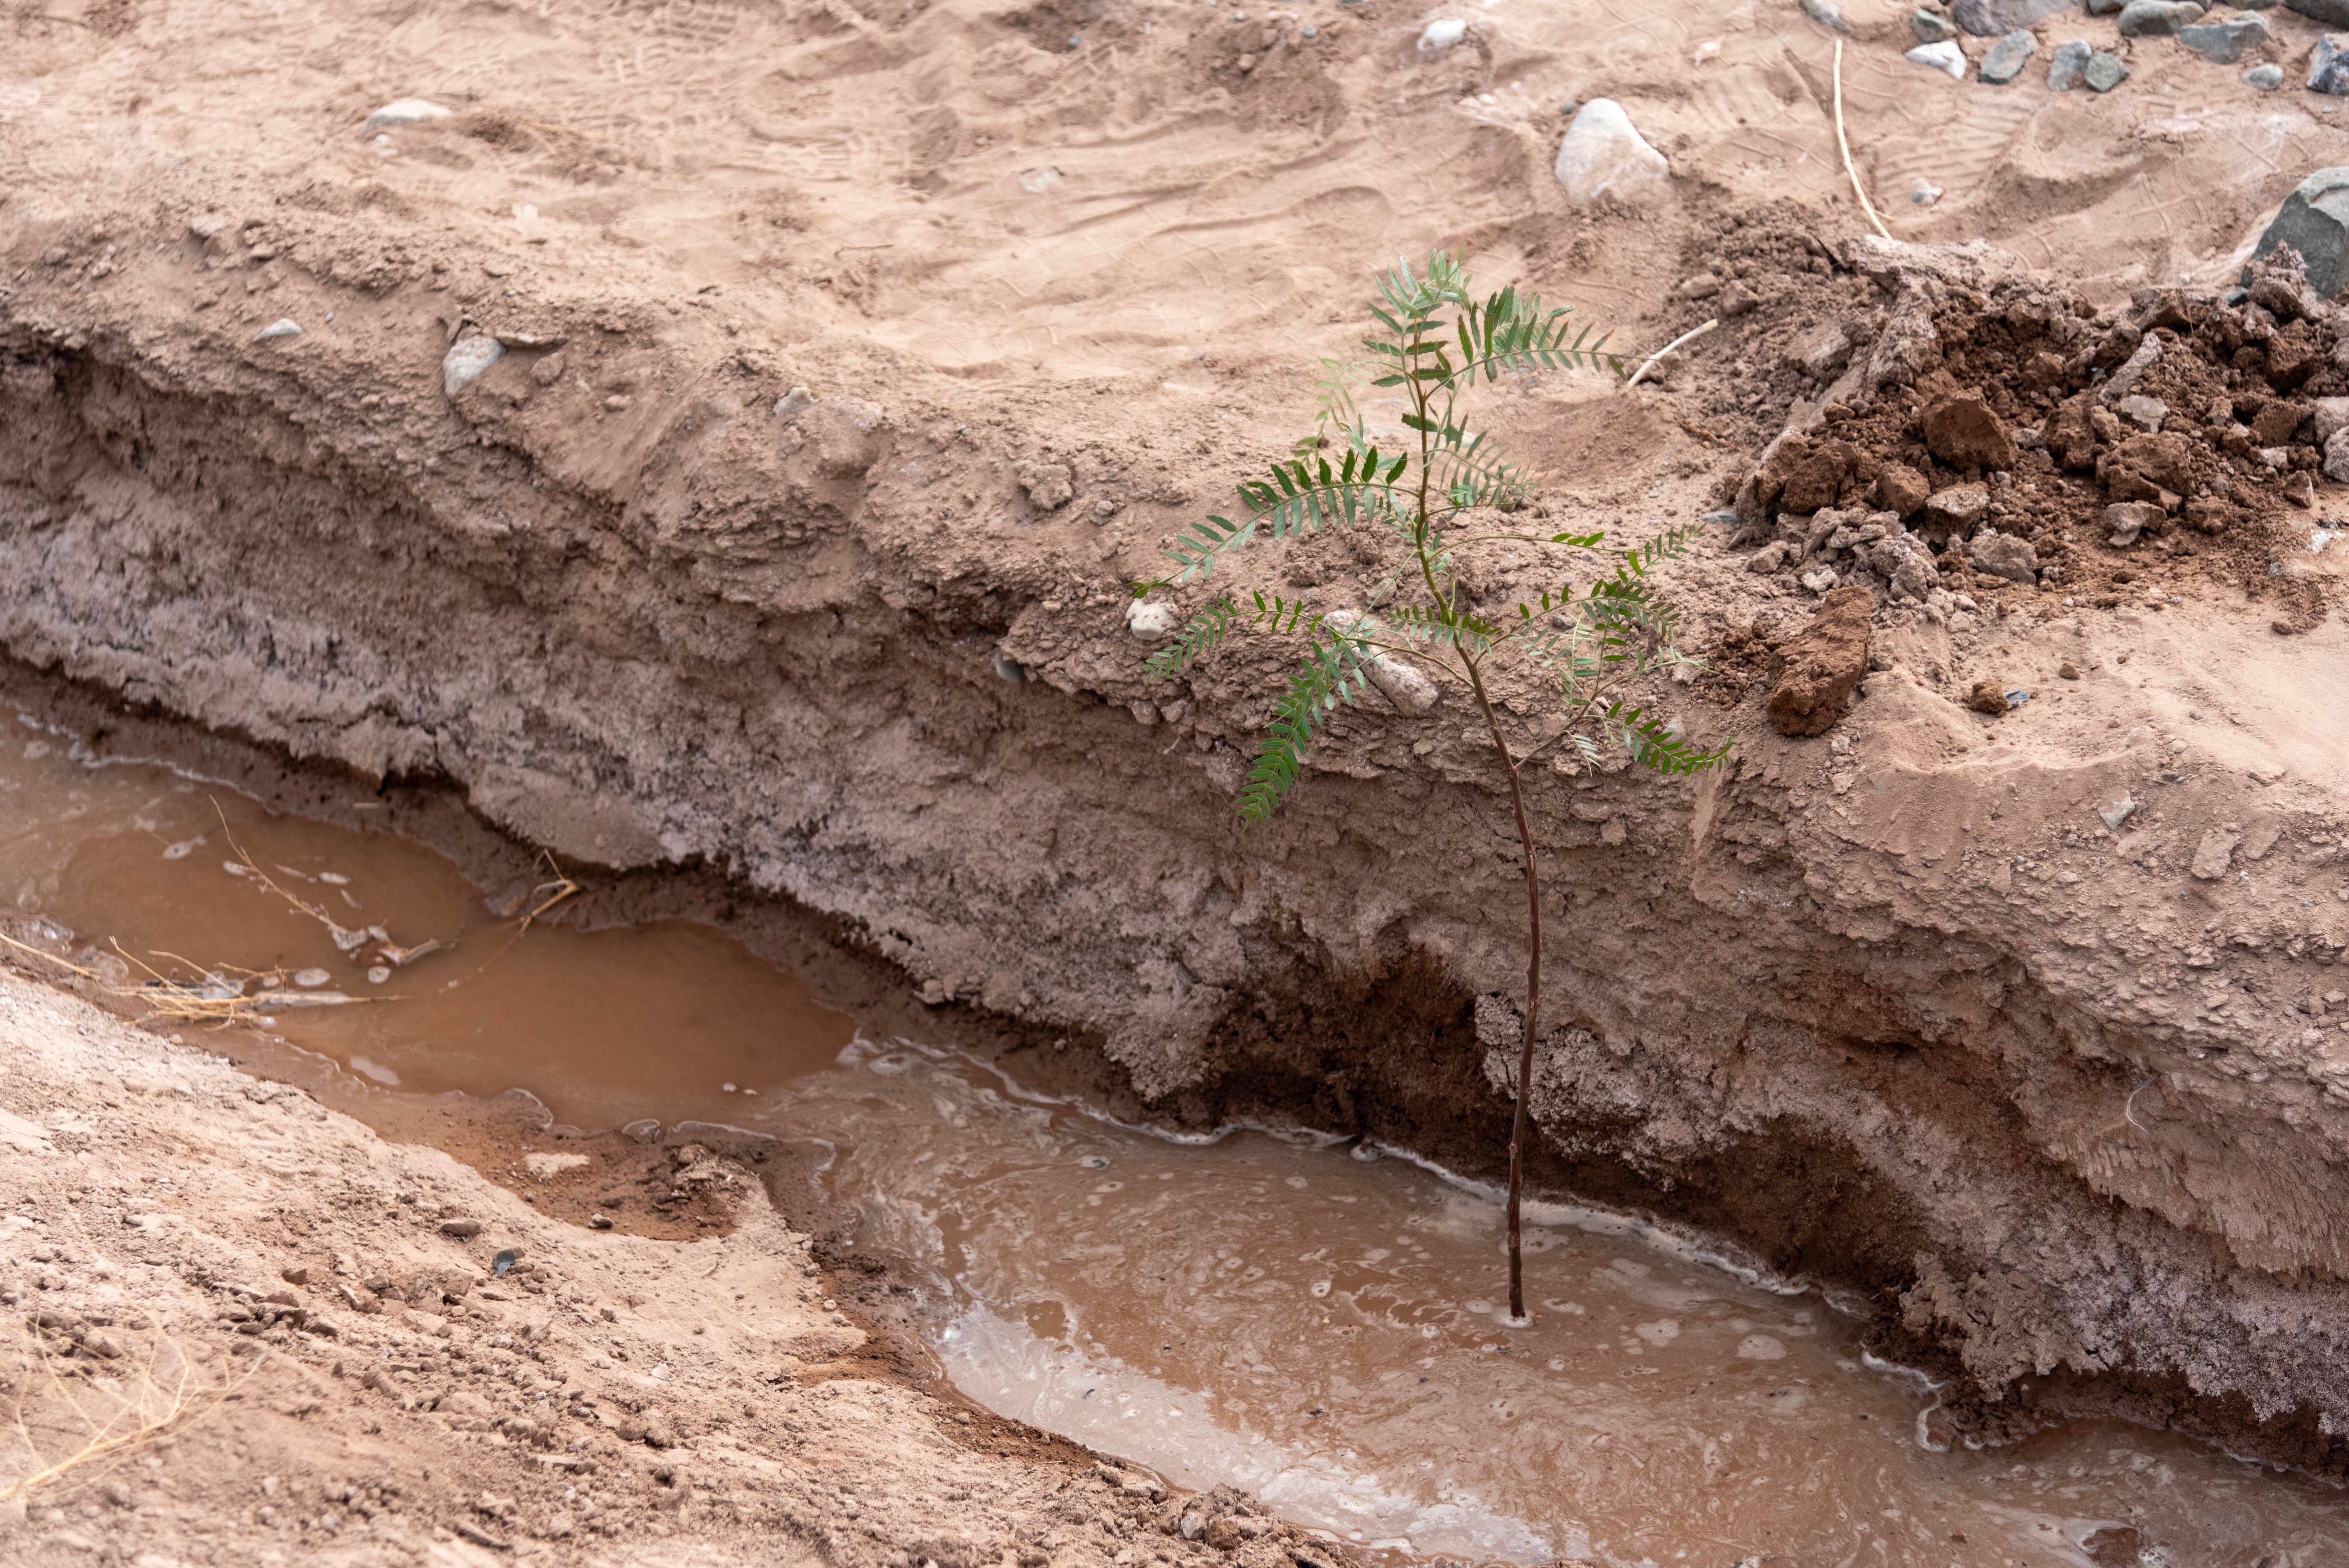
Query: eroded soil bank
(1899, 1007)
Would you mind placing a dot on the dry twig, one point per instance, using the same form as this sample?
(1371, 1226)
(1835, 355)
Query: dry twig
(1856, 188)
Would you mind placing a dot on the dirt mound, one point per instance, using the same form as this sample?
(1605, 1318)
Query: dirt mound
(1960, 428)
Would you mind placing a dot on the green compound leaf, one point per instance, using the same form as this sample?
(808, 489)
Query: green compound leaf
(1200, 636)
(1332, 673)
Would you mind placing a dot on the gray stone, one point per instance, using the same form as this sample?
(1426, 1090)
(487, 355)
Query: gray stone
(1604, 155)
(2328, 68)
(1930, 27)
(2157, 18)
(2336, 457)
(2225, 42)
(466, 360)
(1994, 18)
(1959, 507)
(2003, 555)
(1941, 57)
(2315, 222)
(2129, 519)
(283, 326)
(2004, 61)
(2104, 72)
(1826, 15)
(2139, 408)
(2267, 78)
(2069, 61)
(2331, 13)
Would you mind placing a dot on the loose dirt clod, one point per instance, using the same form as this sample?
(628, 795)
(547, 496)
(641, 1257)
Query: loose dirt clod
(1823, 663)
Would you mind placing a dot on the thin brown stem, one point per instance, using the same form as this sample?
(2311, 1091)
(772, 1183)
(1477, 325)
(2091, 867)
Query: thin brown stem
(1520, 1123)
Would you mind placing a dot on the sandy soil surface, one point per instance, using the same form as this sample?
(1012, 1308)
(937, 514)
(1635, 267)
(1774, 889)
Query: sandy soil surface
(245, 1329)
(1893, 1004)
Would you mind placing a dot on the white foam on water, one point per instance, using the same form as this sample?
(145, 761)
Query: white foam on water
(1009, 1369)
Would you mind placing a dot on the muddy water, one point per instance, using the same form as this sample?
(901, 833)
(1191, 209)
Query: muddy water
(1315, 1324)
(158, 876)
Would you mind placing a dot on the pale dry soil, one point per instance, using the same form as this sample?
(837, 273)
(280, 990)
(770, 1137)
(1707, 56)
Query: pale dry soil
(240, 1331)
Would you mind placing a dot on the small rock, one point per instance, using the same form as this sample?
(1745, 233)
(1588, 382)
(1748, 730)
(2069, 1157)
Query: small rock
(1930, 27)
(1826, 14)
(311, 979)
(2004, 61)
(1736, 299)
(2069, 60)
(1819, 353)
(2328, 68)
(2104, 72)
(2129, 519)
(467, 359)
(1404, 685)
(1993, 18)
(2336, 457)
(618, 403)
(404, 112)
(1048, 485)
(2123, 382)
(2004, 555)
(1901, 490)
(1962, 432)
(1153, 622)
(1769, 558)
(1604, 155)
(1824, 664)
(283, 326)
(2139, 408)
(2157, 18)
(1958, 508)
(295, 1274)
(2225, 42)
(461, 1228)
(2267, 78)
(548, 370)
(1705, 285)
(599, 1222)
(791, 404)
(2327, 415)
(2067, 671)
(1987, 696)
(2119, 811)
(1441, 35)
(2314, 220)
(2214, 854)
(1944, 55)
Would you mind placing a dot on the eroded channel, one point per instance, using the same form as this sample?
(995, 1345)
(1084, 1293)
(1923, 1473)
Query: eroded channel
(1313, 1322)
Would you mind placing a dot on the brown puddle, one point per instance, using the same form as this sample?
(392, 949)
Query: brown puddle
(1314, 1324)
(159, 875)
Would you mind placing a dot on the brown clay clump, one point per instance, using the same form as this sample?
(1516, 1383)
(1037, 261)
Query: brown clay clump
(1824, 662)
(1980, 401)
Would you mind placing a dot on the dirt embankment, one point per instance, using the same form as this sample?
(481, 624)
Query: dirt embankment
(1907, 1005)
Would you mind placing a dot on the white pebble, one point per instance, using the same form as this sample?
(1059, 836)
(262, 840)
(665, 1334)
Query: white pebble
(1944, 55)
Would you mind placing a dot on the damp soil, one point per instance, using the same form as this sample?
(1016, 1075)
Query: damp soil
(1309, 1320)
